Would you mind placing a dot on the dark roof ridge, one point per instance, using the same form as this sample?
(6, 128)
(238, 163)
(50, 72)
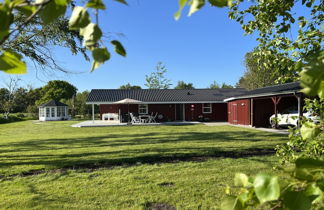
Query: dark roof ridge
(164, 95)
(52, 103)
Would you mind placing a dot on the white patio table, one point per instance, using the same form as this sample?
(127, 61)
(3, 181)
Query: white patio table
(144, 118)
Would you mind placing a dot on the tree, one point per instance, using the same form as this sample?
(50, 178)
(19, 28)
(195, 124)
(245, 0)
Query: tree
(4, 95)
(224, 85)
(8, 96)
(35, 40)
(33, 95)
(80, 104)
(20, 102)
(256, 76)
(128, 86)
(157, 80)
(272, 21)
(215, 85)
(183, 85)
(57, 90)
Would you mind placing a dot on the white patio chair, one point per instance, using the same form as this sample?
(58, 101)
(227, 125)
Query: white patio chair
(152, 118)
(134, 118)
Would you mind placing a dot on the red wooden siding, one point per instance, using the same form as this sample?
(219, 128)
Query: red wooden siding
(239, 112)
(166, 110)
(219, 111)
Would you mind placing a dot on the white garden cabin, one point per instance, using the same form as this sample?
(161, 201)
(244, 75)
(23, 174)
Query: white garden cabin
(53, 110)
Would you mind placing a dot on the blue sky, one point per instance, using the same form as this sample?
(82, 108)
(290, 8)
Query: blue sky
(199, 49)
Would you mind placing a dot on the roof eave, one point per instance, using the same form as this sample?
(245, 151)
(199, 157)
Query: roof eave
(158, 102)
(261, 95)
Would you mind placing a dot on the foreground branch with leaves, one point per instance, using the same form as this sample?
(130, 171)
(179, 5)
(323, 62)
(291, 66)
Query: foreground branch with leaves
(47, 12)
(305, 187)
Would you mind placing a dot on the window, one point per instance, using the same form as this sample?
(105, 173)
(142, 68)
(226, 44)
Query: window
(142, 109)
(58, 111)
(207, 108)
(47, 112)
(53, 112)
(63, 111)
(41, 112)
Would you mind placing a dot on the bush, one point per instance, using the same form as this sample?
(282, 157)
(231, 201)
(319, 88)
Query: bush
(20, 115)
(10, 119)
(32, 111)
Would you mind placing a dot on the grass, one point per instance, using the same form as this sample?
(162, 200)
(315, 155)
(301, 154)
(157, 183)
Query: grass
(52, 165)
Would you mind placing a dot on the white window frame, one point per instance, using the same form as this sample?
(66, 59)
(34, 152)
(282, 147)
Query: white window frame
(42, 112)
(58, 111)
(210, 107)
(142, 107)
(64, 111)
(47, 112)
(52, 112)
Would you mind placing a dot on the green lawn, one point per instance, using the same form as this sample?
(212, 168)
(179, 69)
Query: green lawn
(52, 165)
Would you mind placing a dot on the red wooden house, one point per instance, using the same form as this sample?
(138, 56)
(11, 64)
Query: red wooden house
(170, 104)
(235, 105)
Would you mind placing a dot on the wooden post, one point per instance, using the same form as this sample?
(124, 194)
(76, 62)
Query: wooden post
(300, 109)
(93, 113)
(251, 113)
(275, 101)
(119, 116)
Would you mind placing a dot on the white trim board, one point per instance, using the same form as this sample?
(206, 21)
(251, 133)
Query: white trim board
(260, 95)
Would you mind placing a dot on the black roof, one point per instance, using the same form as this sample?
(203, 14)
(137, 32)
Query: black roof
(164, 95)
(272, 90)
(53, 103)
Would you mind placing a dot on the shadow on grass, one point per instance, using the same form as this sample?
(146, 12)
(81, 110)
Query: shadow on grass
(132, 149)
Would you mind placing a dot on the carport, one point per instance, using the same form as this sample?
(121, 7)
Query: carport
(256, 107)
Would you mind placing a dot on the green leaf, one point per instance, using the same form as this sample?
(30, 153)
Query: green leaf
(219, 3)
(314, 193)
(312, 79)
(96, 4)
(119, 48)
(296, 201)
(27, 10)
(52, 10)
(307, 169)
(10, 62)
(122, 1)
(309, 163)
(266, 187)
(100, 55)
(182, 3)
(79, 18)
(91, 34)
(195, 5)
(309, 130)
(6, 18)
(232, 203)
(241, 180)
